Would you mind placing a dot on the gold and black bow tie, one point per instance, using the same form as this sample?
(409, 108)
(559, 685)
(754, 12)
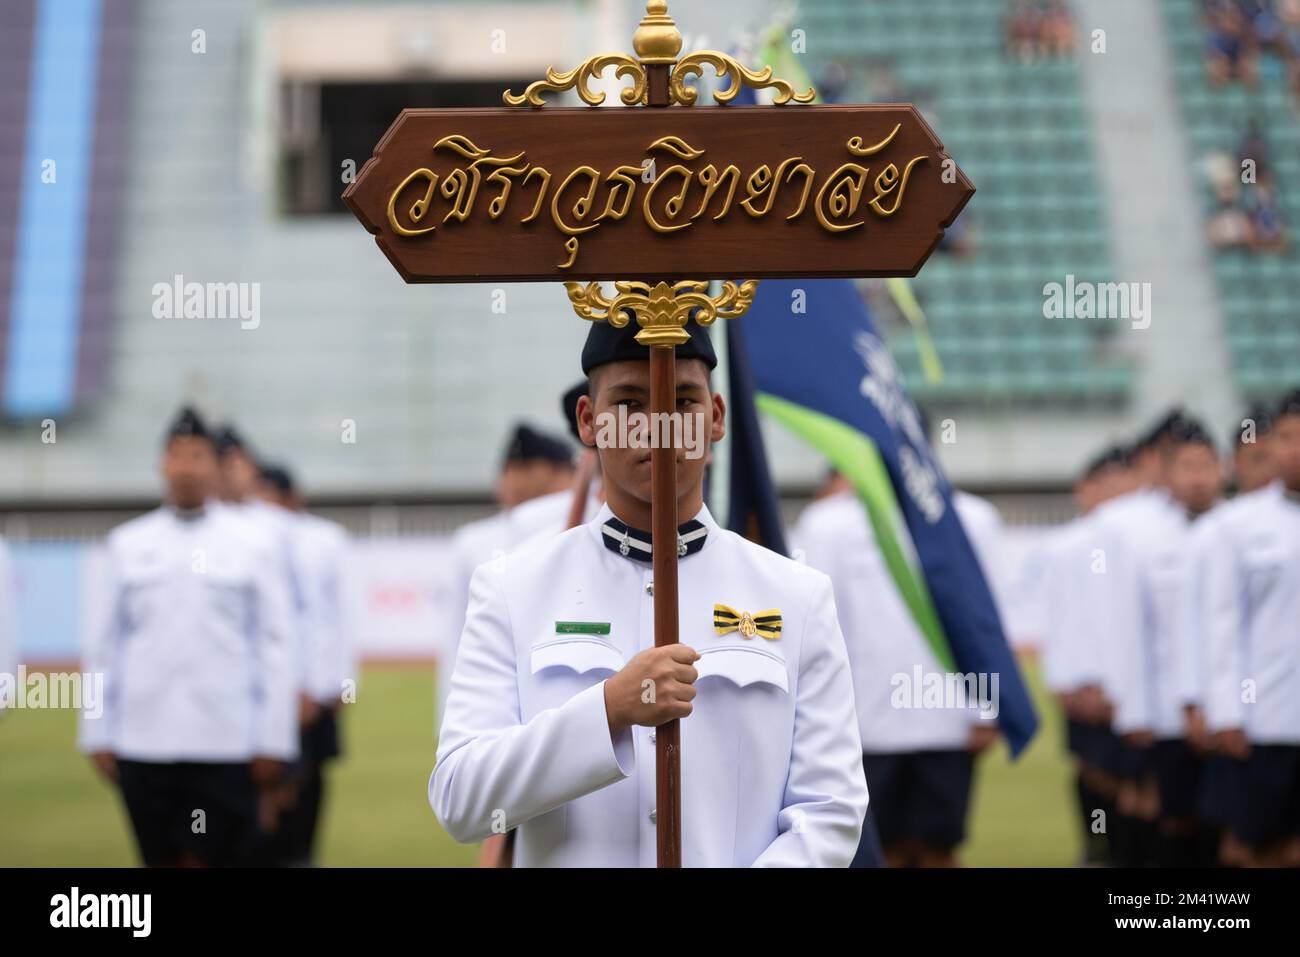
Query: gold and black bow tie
(765, 624)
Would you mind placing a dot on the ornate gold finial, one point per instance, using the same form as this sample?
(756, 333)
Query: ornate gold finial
(661, 310)
(656, 39)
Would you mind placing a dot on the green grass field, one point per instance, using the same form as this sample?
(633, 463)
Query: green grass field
(54, 811)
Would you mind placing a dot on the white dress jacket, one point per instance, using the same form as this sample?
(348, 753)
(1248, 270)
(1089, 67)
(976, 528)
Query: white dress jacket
(771, 758)
(195, 641)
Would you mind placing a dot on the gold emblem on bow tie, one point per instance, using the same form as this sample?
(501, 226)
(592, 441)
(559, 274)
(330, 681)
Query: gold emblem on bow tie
(765, 624)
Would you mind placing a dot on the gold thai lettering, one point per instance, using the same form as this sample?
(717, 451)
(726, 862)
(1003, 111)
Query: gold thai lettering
(586, 198)
(545, 176)
(461, 185)
(581, 206)
(712, 180)
(887, 181)
(674, 205)
(418, 208)
(838, 198)
(622, 190)
(764, 182)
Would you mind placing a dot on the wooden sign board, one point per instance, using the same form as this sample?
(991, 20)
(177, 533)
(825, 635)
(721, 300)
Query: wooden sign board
(492, 195)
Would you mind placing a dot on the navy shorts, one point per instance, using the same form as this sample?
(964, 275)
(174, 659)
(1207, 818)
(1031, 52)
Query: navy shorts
(1129, 762)
(320, 739)
(920, 795)
(1093, 744)
(1179, 771)
(1264, 806)
(162, 801)
(1079, 740)
(1216, 789)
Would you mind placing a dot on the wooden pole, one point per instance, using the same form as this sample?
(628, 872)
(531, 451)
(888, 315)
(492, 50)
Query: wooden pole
(663, 530)
(663, 520)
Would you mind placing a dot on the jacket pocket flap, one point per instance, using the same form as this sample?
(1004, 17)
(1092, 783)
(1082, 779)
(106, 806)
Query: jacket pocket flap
(744, 666)
(578, 654)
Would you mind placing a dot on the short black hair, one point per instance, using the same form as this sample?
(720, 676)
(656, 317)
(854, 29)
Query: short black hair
(278, 477)
(229, 440)
(1115, 456)
(187, 424)
(1191, 432)
(529, 444)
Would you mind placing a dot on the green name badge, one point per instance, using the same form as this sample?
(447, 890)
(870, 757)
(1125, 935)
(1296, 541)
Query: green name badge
(582, 628)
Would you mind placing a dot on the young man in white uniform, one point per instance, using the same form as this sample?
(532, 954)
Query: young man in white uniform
(1253, 468)
(918, 762)
(1252, 666)
(1158, 574)
(196, 646)
(533, 490)
(1117, 535)
(329, 620)
(558, 688)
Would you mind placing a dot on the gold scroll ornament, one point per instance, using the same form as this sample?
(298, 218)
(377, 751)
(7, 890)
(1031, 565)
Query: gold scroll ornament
(661, 309)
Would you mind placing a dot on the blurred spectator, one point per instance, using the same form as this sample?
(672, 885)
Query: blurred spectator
(1246, 215)
(1058, 29)
(1034, 29)
(1267, 231)
(1231, 44)
(1244, 35)
(1254, 147)
(1228, 226)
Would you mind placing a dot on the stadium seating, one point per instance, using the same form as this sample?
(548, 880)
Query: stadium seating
(1022, 133)
(1259, 293)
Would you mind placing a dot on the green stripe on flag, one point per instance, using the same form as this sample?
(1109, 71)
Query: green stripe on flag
(858, 459)
(901, 291)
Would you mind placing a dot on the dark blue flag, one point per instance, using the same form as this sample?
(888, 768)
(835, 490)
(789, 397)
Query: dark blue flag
(820, 368)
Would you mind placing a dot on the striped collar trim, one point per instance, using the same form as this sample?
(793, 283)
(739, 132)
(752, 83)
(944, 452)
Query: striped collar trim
(635, 544)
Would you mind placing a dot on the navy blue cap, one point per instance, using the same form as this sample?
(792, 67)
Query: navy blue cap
(606, 344)
(228, 439)
(278, 477)
(187, 424)
(527, 443)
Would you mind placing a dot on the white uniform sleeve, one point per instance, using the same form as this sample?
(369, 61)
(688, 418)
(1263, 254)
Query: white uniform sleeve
(102, 637)
(331, 620)
(275, 716)
(301, 594)
(1076, 591)
(1058, 641)
(826, 792)
(1126, 627)
(492, 769)
(1224, 631)
(459, 572)
(1188, 641)
(8, 619)
(346, 630)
